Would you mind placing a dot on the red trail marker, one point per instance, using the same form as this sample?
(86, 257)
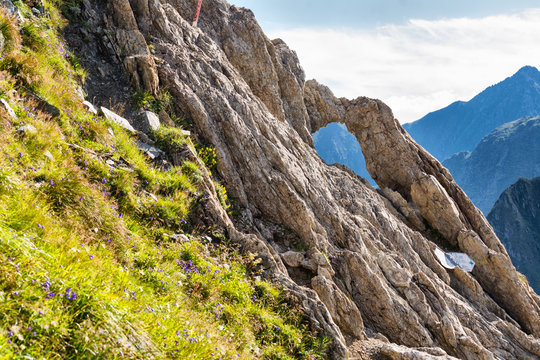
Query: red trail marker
(197, 13)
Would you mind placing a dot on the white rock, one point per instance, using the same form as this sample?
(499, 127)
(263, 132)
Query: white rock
(149, 121)
(8, 109)
(90, 107)
(117, 119)
(48, 155)
(27, 129)
(152, 152)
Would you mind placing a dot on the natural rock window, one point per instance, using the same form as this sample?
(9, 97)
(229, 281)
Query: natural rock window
(335, 144)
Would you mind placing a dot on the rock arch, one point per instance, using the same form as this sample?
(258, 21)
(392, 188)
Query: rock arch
(396, 161)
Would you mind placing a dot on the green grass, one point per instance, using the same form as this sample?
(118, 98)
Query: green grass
(88, 267)
(145, 100)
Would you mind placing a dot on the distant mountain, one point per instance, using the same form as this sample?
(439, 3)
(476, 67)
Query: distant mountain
(509, 152)
(461, 125)
(335, 144)
(515, 217)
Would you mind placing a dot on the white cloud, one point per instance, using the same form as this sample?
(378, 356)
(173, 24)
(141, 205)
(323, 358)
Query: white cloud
(423, 65)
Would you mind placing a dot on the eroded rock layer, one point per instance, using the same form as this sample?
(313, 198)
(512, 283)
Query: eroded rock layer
(359, 261)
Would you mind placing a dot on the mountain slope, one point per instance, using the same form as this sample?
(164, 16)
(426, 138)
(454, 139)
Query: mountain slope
(355, 264)
(460, 126)
(104, 252)
(515, 217)
(359, 263)
(509, 152)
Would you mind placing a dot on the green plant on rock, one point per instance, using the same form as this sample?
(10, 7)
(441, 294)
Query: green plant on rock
(170, 139)
(222, 195)
(143, 99)
(208, 156)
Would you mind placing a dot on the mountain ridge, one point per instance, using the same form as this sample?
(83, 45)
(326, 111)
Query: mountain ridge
(498, 161)
(515, 217)
(461, 125)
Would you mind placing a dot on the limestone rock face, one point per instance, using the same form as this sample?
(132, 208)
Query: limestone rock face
(343, 310)
(132, 49)
(367, 270)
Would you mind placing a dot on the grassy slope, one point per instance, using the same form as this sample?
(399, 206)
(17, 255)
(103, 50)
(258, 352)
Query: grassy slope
(86, 267)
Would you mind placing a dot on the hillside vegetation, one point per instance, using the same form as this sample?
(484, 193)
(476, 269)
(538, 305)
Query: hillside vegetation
(98, 256)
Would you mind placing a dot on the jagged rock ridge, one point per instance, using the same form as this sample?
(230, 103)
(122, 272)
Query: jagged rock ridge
(368, 266)
(516, 220)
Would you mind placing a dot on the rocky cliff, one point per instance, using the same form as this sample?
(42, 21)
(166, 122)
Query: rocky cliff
(359, 262)
(507, 153)
(461, 125)
(516, 220)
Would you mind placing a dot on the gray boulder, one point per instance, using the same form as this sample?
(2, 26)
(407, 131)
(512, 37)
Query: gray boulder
(117, 119)
(148, 122)
(152, 152)
(90, 107)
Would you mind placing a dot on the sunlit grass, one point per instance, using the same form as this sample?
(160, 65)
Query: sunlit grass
(88, 267)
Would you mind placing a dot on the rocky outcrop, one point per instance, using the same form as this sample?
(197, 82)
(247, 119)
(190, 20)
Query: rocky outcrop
(359, 266)
(132, 48)
(394, 160)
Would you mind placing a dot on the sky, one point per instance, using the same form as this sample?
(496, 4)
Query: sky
(416, 55)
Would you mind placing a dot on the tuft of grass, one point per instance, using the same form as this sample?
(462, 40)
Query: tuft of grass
(170, 139)
(31, 36)
(10, 32)
(145, 100)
